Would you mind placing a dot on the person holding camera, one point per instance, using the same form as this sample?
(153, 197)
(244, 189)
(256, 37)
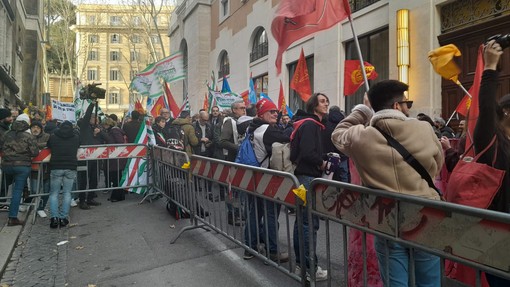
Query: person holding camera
(494, 121)
(88, 173)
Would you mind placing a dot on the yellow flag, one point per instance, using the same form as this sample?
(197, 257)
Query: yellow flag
(301, 193)
(443, 63)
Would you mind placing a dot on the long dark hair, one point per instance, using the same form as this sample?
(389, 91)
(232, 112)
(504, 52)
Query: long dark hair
(313, 102)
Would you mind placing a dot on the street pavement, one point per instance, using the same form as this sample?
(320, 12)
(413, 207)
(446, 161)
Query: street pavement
(128, 244)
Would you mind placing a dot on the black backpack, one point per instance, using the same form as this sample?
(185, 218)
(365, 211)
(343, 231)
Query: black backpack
(176, 137)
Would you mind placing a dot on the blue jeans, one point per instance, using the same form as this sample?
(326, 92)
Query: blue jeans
(253, 232)
(19, 176)
(61, 178)
(45, 189)
(427, 270)
(306, 180)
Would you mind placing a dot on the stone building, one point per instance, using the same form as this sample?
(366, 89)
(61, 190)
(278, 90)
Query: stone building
(114, 42)
(22, 52)
(232, 37)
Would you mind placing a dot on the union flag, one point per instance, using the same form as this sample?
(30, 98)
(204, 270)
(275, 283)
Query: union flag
(353, 78)
(464, 105)
(301, 81)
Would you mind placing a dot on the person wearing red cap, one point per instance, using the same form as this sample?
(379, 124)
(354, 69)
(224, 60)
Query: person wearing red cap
(265, 132)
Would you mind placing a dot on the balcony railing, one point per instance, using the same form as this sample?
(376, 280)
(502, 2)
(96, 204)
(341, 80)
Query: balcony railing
(357, 5)
(259, 52)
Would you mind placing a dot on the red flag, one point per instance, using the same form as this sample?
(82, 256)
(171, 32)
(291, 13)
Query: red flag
(301, 81)
(295, 21)
(245, 95)
(172, 105)
(473, 108)
(139, 107)
(49, 113)
(158, 105)
(205, 105)
(464, 105)
(281, 100)
(353, 78)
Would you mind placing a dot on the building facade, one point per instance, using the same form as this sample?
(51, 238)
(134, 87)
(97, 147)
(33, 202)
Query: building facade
(234, 38)
(22, 53)
(114, 42)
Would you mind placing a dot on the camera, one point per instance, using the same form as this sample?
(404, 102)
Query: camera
(502, 40)
(92, 92)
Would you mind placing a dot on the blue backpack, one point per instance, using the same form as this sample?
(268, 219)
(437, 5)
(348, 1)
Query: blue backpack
(246, 154)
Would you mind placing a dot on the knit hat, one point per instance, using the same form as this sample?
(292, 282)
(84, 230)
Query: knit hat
(265, 105)
(36, 123)
(4, 113)
(23, 117)
(66, 124)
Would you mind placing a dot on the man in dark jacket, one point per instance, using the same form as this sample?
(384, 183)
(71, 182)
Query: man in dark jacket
(18, 147)
(132, 127)
(64, 144)
(42, 139)
(89, 174)
(204, 134)
(5, 125)
(307, 152)
(333, 118)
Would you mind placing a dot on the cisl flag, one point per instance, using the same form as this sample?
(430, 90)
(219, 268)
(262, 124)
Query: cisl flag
(353, 77)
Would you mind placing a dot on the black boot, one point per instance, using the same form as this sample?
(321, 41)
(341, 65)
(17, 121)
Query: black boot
(54, 222)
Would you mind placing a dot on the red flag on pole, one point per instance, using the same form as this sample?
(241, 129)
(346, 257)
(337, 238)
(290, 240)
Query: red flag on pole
(473, 107)
(353, 77)
(172, 105)
(158, 105)
(205, 105)
(282, 105)
(139, 107)
(301, 81)
(295, 21)
(463, 106)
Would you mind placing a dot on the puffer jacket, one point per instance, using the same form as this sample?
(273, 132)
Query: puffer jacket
(18, 146)
(189, 133)
(380, 165)
(64, 144)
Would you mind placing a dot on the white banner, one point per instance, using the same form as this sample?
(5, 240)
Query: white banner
(224, 101)
(63, 111)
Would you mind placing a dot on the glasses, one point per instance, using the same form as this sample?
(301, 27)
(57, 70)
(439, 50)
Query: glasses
(273, 111)
(241, 108)
(408, 103)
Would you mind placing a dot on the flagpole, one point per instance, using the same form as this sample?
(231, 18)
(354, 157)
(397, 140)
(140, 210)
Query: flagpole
(358, 49)
(451, 117)
(464, 89)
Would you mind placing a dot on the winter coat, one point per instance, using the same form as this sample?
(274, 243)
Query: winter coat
(18, 146)
(64, 144)
(334, 117)
(264, 135)
(131, 129)
(115, 136)
(86, 130)
(486, 127)
(380, 165)
(161, 135)
(208, 134)
(42, 140)
(229, 141)
(189, 133)
(307, 147)
(3, 128)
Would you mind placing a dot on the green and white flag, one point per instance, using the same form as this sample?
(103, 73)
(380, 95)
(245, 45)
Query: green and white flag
(171, 68)
(135, 172)
(142, 82)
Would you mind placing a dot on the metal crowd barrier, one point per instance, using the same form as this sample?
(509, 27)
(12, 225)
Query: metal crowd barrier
(218, 187)
(93, 160)
(474, 237)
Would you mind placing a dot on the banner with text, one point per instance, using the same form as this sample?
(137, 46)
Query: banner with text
(63, 111)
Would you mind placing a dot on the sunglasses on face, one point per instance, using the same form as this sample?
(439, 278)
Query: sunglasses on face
(408, 103)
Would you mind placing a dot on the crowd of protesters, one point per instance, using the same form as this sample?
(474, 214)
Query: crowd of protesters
(366, 137)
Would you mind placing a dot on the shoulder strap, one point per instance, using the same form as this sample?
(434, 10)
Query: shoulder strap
(410, 159)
